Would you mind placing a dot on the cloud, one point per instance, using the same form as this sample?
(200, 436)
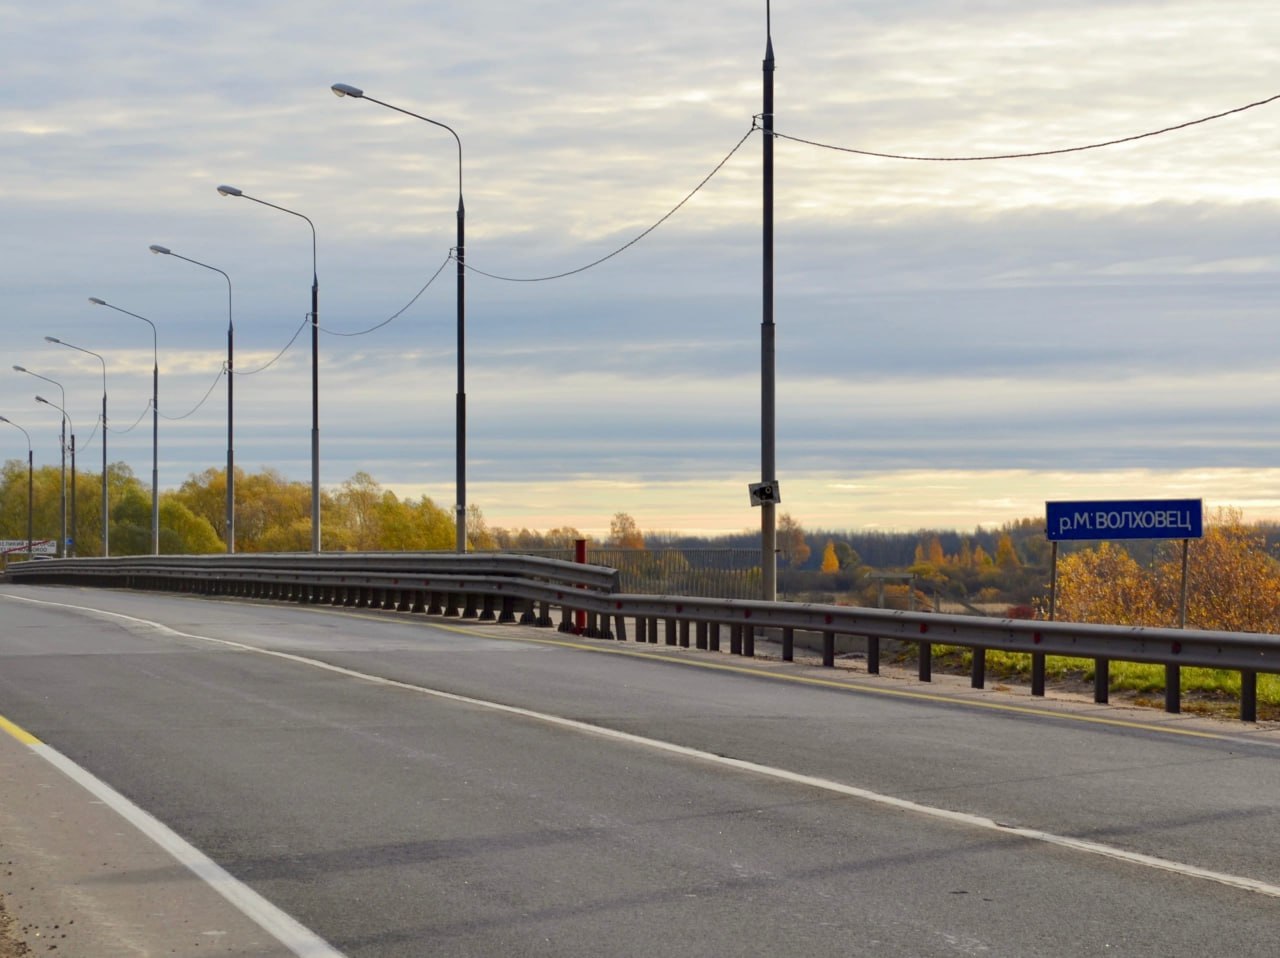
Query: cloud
(1108, 310)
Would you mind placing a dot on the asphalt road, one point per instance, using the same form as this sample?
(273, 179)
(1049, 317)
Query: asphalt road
(412, 787)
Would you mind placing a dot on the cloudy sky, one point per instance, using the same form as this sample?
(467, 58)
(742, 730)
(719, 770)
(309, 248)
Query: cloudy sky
(957, 342)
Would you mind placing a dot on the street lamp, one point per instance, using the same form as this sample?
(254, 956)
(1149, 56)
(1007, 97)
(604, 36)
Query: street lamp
(30, 552)
(315, 363)
(155, 422)
(106, 517)
(345, 89)
(62, 545)
(231, 471)
(65, 421)
(768, 422)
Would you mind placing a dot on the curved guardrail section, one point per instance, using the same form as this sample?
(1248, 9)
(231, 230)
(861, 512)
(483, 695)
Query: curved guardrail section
(529, 589)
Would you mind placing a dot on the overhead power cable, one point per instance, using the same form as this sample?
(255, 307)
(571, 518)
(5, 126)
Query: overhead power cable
(125, 432)
(399, 312)
(253, 372)
(670, 213)
(196, 407)
(1028, 154)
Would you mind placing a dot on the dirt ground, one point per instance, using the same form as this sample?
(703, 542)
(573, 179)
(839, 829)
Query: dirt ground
(10, 946)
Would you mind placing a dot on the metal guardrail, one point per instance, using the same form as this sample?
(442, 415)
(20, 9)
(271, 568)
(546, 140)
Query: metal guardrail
(509, 588)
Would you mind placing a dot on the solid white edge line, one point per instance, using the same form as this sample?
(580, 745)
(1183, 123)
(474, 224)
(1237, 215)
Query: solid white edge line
(288, 931)
(766, 771)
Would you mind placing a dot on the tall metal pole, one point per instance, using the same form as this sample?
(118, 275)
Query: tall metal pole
(315, 362)
(155, 421)
(74, 535)
(62, 507)
(155, 454)
(231, 458)
(460, 424)
(768, 465)
(106, 501)
(30, 484)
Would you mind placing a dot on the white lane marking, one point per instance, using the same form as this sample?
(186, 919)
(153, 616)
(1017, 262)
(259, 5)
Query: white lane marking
(289, 932)
(765, 771)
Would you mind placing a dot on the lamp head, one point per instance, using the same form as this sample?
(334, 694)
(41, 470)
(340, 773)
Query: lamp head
(160, 249)
(43, 400)
(346, 89)
(97, 302)
(19, 369)
(230, 191)
(3, 419)
(53, 339)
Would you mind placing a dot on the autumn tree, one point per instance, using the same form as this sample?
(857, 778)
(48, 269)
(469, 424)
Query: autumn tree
(830, 562)
(478, 534)
(1105, 585)
(624, 533)
(791, 541)
(1006, 554)
(1233, 585)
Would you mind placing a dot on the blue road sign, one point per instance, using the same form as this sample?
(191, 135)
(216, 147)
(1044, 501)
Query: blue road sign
(1124, 519)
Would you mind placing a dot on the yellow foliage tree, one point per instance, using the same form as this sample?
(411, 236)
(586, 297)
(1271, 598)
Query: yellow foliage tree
(1105, 585)
(624, 532)
(830, 562)
(1232, 584)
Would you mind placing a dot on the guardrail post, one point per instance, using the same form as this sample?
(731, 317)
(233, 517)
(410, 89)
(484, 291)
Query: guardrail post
(749, 641)
(829, 649)
(620, 627)
(926, 661)
(1037, 673)
(684, 633)
(1101, 681)
(670, 632)
(1248, 696)
(652, 630)
(508, 613)
(978, 669)
(873, 655)
(1173, 689)
(642, 629)
(700, 635)
(580, 556)
(735, 639)
(788, 644)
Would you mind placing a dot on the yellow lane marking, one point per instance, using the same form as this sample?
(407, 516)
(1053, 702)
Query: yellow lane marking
(18, 732)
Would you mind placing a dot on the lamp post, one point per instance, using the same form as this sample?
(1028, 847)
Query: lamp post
(231, 470)
(65, 421)
(315, 362)
(62, 509)
(30, 553)
(106, 512)
(460, 431)
(768, 424)
(155, 422)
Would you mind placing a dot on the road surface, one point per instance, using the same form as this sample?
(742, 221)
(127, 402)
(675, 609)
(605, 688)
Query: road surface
(389, 785)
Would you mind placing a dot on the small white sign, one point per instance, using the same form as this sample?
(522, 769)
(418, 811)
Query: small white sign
(764, 492)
